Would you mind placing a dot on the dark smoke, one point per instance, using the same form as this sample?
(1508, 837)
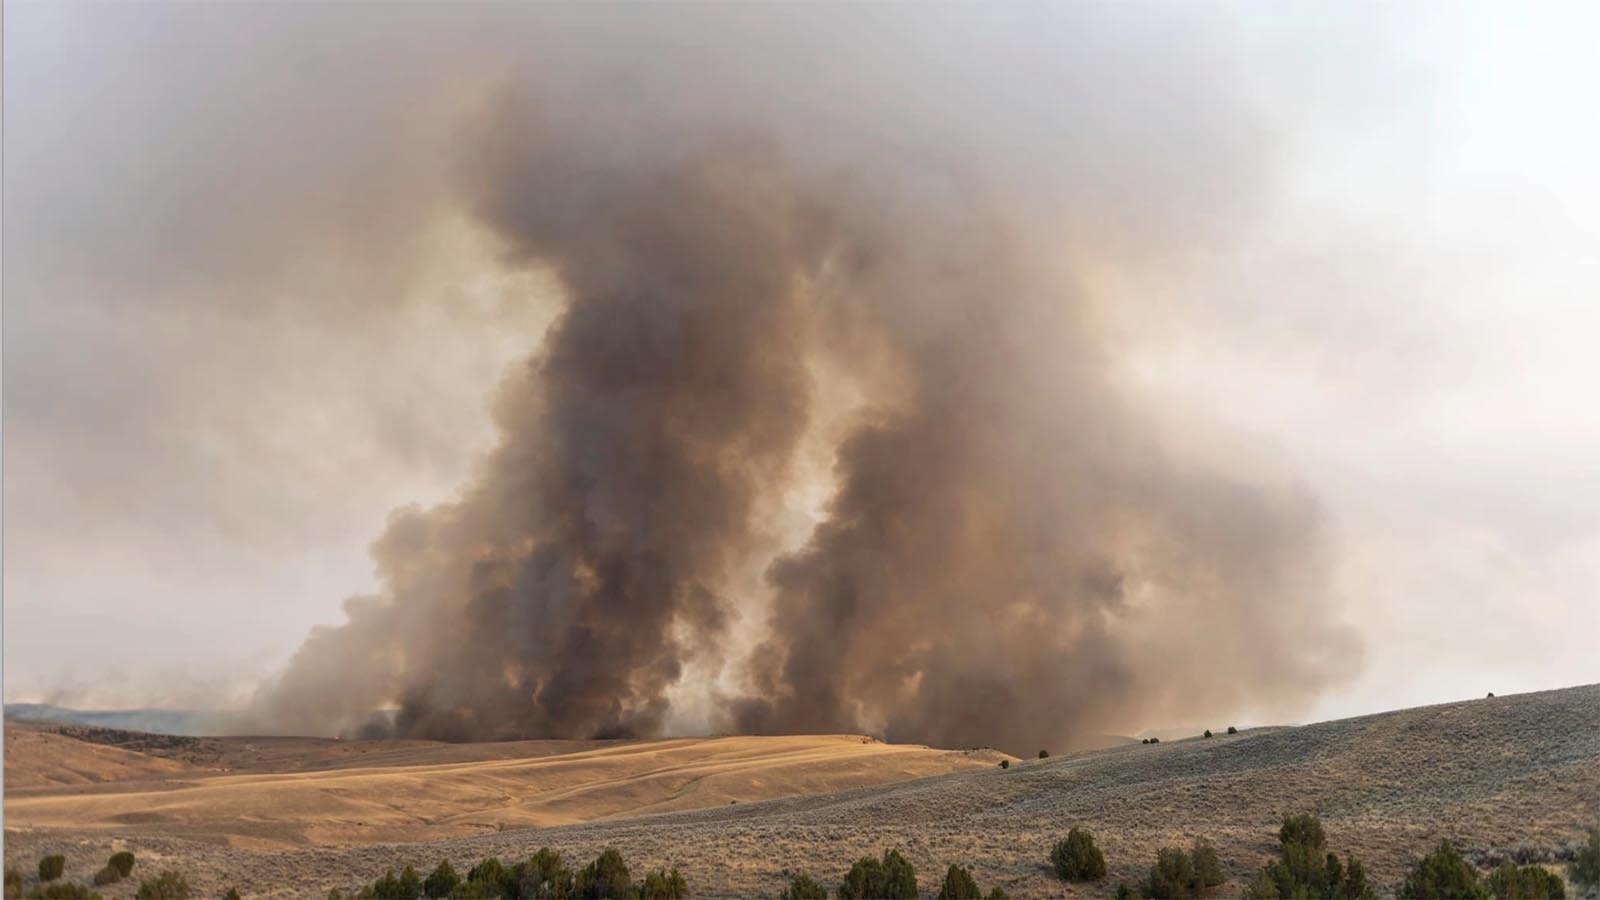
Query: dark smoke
(563, 594)
(1001, 536)
(1010, 556)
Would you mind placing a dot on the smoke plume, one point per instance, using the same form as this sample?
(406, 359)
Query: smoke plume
(1008, 554)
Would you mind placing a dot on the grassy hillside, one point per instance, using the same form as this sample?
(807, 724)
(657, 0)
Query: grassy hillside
(1492, 775)
(41, 759)
(292, 792)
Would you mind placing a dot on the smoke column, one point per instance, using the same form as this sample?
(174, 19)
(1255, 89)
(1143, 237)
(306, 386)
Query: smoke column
(1008, 555)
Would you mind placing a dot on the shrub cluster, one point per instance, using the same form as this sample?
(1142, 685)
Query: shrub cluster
(1584, 870)
(1005, 763)
(122, 862)
(869, 879)
(62, 890)
(1151, 741)
(890, 878)
(803, 888)
(1443, 875)
(405, 886)
(1077, 858)
(168, 885)
(118, 867)
(542, 875)
(960, 885)
(442, 880)
(51, 867)
(1178, 875)
(1514, 882)
(664, 885)
(49, 888)
(1304, 870)
(606, 878)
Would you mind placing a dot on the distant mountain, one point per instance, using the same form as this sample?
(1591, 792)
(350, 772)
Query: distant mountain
(188, 722)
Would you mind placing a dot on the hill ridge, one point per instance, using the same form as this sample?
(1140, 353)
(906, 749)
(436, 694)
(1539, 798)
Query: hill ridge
(1512, 773)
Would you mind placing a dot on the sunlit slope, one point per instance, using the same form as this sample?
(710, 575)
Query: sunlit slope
(38, 759)
(415, 801)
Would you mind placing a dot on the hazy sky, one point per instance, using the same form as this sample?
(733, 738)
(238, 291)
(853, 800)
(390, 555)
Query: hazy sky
(1351, 248)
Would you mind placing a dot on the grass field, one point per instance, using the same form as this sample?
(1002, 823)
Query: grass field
(1502, 775)
(275, 794)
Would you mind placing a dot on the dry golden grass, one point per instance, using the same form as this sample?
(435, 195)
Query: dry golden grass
(1492, 775)
(366, 792)
(39, 759)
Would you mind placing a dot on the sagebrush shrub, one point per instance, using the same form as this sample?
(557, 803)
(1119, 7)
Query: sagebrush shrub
(167, 885)
(1044, 754)
(1514, 882)
(232, 894)
(803, 888)
(1208, 732)
(51, 867)
(1005, 763)
(1077, 858)
(1232, 730)
(1443, 875)
(106, 876)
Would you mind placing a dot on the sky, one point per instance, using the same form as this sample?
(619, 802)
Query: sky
(247, 314)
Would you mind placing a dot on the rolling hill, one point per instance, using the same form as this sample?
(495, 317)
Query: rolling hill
(1513, 774)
